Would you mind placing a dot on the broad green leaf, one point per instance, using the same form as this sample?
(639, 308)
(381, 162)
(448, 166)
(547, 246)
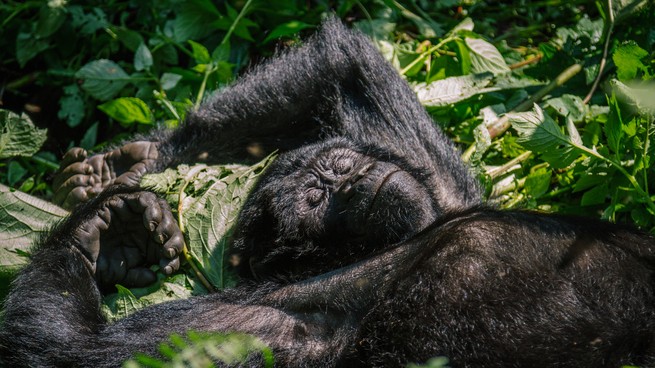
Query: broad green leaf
(128, 110)
(538, 132)
(200, 53)
(121, 304)
(485, 57)
(142, 58)
(71, 106)
(28, 46)
(103, 79)
(568, 106)
(15, 172)
(18, 136)
(537, 183)
(127, 301)
(169, 80)
(641, 96)
(211, 198)
(451, 90)
(222, 52)
(286, 29)
(194, 19)
(23, 220)
(627, 59)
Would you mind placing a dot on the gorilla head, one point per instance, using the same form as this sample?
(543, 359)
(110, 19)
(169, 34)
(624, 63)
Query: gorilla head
(329, 202)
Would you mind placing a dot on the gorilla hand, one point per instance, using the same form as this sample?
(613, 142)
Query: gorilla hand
(83, 177)
(124, 233)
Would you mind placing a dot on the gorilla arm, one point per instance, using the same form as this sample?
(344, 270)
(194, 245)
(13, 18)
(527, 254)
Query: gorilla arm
(53, 316)
(335, 84)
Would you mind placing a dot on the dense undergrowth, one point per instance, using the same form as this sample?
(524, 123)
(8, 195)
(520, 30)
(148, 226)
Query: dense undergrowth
(552, 102)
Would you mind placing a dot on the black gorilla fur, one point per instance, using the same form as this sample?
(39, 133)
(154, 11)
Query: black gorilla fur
(365, 244)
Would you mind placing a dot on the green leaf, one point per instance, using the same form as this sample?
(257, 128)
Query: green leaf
(103, 79)
(465, 25)
(222, 52)
(128, 110)
(200, 53)
(127, 301)
(568, 106)
(28, 46)
(596, 195)
(142, 58)
(287, 29)
(485, 57)
(15, 172)
(131, 39)
(204, 349)
(448, 91)
(71, 106)
(538, 132)
(614, 125)
(23, 220)
(168, 81)
(211, 201)
(641, 96)
(627, 59)
(50, 20)
(194, 19)
(88, 141)
(18, 136)
(537, 183)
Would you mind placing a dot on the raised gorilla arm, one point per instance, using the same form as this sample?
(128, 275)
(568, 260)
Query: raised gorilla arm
(52, 315)
(335, 85)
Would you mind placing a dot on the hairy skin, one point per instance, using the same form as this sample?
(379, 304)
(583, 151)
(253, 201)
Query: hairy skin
(365, 244)
(335, 85)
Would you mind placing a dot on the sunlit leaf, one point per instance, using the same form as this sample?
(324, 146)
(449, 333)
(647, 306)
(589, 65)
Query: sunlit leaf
(18, 136)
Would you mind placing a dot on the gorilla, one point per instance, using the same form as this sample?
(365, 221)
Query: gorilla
(366, 243)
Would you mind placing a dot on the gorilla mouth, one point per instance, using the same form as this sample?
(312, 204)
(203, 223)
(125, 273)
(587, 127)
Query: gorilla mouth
(379, 188)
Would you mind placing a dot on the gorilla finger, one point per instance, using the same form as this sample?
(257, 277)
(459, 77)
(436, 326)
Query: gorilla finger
(173, 246)
(168, 266)
(152, 217)
(75, 197)
(120, 208)
(139, 277)
(78, 168)
(74, 154)
(166, 228)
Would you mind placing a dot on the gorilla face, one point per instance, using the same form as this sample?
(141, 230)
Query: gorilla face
(328, 202)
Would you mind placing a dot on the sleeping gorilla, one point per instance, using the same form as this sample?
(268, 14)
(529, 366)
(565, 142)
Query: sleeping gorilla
(364, 244)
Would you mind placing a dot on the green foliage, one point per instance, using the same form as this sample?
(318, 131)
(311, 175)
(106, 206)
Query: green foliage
(207, 200)
(24, 219)
(18, 136)
(203, 350)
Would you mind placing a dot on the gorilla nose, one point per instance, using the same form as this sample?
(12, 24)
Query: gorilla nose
(346, 190)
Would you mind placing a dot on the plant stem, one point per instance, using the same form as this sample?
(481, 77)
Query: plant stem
(608, 32)
(425, 54)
